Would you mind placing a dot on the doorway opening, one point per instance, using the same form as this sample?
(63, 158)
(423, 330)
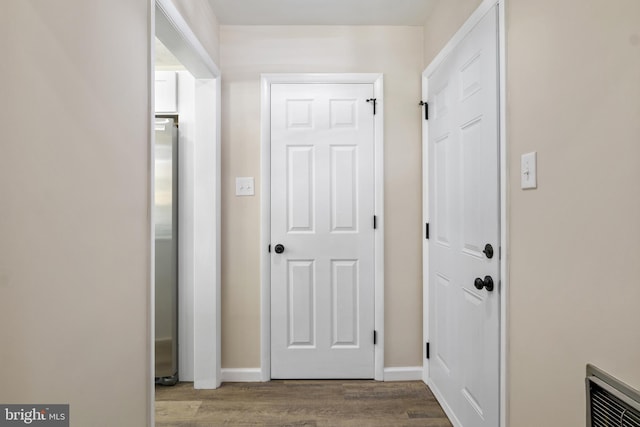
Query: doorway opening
(194, 99)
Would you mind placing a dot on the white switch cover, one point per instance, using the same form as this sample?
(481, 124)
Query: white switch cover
(528, 171)
(244, 186)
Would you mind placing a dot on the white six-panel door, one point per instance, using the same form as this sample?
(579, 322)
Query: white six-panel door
(464, 218)
(322, 207)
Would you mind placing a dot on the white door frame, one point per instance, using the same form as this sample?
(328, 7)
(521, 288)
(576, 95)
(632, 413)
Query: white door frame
(471, 22)
(265, 203)
(171, 28)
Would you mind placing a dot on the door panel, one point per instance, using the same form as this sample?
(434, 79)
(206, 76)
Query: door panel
(322, 207)
(464, 212)
(301, 191)
(442, 199)
(344, 189)
(473, 161)
(301, 303)
(344, 303)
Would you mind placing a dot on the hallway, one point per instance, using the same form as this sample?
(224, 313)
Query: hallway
(300, 403)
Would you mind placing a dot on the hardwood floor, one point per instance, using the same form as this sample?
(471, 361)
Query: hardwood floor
(300, 403)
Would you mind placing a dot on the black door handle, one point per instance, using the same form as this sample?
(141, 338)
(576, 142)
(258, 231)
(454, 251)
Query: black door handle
(488, 250)
(279, 248)
(487, 283)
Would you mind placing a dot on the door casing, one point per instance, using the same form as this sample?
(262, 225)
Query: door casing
(469, 24)
(265, 203)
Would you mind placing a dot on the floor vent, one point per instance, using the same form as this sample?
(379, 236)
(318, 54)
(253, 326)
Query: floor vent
(610, 403)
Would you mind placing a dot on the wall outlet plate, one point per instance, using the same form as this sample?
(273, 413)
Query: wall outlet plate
(245, 186)
(528, 171)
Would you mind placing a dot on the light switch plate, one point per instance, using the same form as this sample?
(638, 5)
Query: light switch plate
(244, 186)
(528, 171)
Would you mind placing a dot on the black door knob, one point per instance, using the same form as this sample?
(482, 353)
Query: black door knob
(488, 250)
(487, 283)
(279, 248)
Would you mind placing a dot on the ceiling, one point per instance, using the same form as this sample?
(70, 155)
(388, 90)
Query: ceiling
(322, 12)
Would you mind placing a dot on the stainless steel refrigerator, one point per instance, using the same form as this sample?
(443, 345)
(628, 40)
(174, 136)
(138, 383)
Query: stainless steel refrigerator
(166, 250)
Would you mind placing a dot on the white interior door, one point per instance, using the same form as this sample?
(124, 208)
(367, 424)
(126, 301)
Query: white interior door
(464, 218)
(322, 208)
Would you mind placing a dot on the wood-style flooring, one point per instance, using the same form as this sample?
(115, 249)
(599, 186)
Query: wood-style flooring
(300, 403)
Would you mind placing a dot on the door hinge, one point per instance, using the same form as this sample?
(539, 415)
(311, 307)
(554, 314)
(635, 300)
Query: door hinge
(426, 231)
(426, 109)
(269, 248)
(375, 222)
(426, 350)
(499, 252)
(375, 337)
(374, 101)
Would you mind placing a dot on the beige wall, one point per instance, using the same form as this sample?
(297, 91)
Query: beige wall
(573, 88)
(246, 52)
(203, 23)
(444, 20)
(74, 218)
(574, 97)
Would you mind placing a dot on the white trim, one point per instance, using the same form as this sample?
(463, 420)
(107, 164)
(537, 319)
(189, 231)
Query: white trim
(265, 230)
(425, 242)
(265, 203)
(206, 211)
(504, 216)
(151, 292)
(186, 237)
(378, 90)
(404, 373)
(324, 78)
(174, 32)
(241, 375)
(218, 225)
(471, 22)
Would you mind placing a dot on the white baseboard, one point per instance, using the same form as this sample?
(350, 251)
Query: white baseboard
(205, 384)
(404, 373)
(241, 375)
